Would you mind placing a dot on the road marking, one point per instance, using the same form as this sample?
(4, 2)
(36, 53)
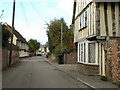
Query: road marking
(85, 83)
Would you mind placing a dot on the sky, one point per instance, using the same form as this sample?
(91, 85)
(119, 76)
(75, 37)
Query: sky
(31, 16)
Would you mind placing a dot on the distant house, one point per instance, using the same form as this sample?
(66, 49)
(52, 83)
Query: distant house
(44, 49)
(19, 41)
(97, 37)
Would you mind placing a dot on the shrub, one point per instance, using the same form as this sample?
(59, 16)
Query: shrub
(104, 78)
(60, 50)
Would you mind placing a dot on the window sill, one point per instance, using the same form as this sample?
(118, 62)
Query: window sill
(93, 64)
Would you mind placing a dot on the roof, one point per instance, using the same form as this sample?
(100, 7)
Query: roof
(17, 34)
(20, 37)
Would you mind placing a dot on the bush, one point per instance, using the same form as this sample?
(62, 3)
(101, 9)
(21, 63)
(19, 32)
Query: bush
(48, 54)
(60, 50)
(104, 78)
(5, 36)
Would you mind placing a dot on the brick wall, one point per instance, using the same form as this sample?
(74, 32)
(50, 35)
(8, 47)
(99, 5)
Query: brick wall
(119, 62)
(88, 69)
(70, 58)
(112, 63)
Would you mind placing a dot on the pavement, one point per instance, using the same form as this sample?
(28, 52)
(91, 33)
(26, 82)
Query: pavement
(93, 82)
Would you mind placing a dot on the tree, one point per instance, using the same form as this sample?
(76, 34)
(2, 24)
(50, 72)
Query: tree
(5, 36)
(54, 33)
(54, 36)
(33, 45)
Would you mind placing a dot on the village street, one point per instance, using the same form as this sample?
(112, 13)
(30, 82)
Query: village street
(36, 72)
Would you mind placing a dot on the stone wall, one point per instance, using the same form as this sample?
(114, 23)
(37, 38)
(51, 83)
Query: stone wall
(5, 57)
(88, 69)
(15, 56)
(70, 58)
(52, 57)
(112, 60)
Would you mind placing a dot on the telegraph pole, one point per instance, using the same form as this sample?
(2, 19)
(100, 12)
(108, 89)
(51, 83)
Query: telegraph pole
(13, 18)
(1, 14)
(61, 33)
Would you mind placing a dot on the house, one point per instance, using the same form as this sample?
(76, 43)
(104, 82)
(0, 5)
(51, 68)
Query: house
(19, 41)
(44, 49)
(6, 48)
(97, 37)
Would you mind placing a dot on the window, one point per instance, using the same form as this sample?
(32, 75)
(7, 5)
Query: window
(87, 52)
(85, 2)
(83, 20)
(84, 52)
(78, 52)
(81, 52)
(91, 52)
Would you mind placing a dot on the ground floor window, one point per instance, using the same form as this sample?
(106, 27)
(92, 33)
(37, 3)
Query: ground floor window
(91, 52)
(87, 52)
(81, 52)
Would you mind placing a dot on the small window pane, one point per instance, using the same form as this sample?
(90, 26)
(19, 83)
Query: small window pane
(81, 46)
(79, 52)
(81, 56)
(85, 18)
(84, 52)
(91, 48)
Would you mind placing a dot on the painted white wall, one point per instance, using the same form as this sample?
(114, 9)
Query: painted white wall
(14, 40)
(22, 53)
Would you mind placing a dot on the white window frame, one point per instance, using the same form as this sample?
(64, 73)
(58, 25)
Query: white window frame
(79, 52)
(86, 56)
(84, 19)
(96, 53)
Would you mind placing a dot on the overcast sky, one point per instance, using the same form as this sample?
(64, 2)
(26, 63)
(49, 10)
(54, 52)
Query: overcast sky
(31, 15)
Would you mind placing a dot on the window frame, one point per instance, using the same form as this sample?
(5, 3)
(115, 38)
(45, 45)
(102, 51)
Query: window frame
(86, 53)
(89, 51)
(84, 19)
(81, 50)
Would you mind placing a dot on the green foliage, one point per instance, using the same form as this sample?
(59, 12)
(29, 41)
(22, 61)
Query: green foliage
(33, 45)
(5, 36)
(60, 50)
(104, 78)
(54, 36)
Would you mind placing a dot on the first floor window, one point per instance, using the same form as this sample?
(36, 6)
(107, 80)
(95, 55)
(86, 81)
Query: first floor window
(83, 19)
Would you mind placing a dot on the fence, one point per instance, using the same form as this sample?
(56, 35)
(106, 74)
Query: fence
(70, 58)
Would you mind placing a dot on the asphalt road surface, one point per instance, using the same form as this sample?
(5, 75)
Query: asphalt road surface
(35, 72)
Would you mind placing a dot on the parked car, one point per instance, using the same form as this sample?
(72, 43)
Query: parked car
(38, 53)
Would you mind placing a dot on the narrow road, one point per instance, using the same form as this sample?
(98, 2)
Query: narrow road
(35, 72)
